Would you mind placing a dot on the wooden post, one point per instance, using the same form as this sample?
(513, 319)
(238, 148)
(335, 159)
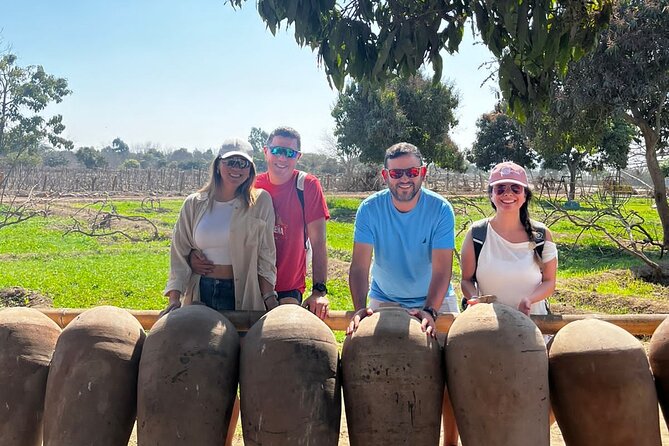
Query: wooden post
(636, 324)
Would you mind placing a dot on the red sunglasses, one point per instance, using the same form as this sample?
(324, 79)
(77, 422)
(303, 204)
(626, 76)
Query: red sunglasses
(411, 172)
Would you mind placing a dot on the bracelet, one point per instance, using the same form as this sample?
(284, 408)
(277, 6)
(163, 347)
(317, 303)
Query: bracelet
(272, 293)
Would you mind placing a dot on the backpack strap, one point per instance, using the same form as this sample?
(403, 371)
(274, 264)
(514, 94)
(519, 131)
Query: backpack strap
(539, 232)
(479, 233)
(299, 185)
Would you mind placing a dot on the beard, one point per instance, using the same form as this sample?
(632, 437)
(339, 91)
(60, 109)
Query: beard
(401, 194)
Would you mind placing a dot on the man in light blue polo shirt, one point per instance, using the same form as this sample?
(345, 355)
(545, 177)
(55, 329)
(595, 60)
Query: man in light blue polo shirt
(410, 231)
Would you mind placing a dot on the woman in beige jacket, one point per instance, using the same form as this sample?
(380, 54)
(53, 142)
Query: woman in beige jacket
(230, 222)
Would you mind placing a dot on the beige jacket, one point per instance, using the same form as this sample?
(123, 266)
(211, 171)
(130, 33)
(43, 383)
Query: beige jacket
(251, 242)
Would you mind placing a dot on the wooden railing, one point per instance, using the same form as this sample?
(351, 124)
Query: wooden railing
(636, 324)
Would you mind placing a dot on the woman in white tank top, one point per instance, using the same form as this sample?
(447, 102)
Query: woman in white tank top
(508, 266)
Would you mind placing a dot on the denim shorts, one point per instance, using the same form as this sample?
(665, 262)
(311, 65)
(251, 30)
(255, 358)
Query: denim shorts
(296, 294)
(218, 294)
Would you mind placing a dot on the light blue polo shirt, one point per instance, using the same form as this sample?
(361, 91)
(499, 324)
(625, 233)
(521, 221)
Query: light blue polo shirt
(403, 244)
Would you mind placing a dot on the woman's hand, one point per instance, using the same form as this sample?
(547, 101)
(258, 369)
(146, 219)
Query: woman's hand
(524, 306)
(170, 307)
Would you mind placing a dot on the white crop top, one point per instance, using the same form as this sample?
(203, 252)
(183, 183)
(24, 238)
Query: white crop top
(212, 233)
(508, 270)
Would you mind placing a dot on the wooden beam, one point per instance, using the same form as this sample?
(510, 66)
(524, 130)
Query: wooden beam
(636, 324)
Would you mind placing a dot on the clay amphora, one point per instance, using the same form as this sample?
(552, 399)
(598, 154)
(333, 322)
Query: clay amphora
(289, 385)
(393, 381)
(188, 379)
(27, 341)
(601, 387)
(91, 392)
(497, 374)
(659, 364)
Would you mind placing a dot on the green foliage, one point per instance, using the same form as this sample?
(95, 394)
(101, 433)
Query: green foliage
(665, 168)
(130, 163)
(119, 146)
(499, 138)
(24, 93)
(258, 138)
(90, 158)
(369, 119)
(627, 76)
(377, 40)
(53, 158)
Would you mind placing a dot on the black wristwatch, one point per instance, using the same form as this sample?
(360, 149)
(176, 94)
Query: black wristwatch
(320, 287)
(432, 312)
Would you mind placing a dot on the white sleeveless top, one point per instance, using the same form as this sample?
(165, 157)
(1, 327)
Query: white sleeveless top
(509, 271)
(212, 233)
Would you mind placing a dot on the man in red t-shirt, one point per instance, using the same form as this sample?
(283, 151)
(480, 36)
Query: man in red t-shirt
(293, 223)
(282, 151)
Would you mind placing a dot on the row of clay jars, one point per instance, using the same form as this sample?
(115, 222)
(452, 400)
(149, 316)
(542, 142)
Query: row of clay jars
(81, 383)
(601, 385)
(393, 381)
(289, 389)
(87, 383)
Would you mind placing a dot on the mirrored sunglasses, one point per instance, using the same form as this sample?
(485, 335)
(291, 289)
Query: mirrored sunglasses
(238, 163)
(396, 174)
(501, 189)
(284, 151)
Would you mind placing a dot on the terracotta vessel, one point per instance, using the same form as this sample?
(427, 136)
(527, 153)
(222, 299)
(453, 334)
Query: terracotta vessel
(289, 383)
(659, 364)
(497, 374)
(91, 392)
(27, 341)
(602, 388)
(393, 381)
(187, 379)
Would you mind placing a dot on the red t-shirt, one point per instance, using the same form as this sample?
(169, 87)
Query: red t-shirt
(291, 257)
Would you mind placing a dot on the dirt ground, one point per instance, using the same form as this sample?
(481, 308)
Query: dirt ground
(556, 435)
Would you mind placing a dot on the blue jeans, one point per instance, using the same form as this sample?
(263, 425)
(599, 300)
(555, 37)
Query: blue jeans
(297, 294)
(218, 294)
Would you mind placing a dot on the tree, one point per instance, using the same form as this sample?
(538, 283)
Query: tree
(120, 147)
(90, 158)
(24, 93)
(376, 40)
(54, 158)
(368, 120)
(130, 163)
(568, 137)
(499, 138)
(627, 75)
(257, 138)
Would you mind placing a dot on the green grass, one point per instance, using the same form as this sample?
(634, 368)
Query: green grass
(80, 271)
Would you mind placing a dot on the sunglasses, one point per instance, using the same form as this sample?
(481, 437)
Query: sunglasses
(284, 151)
(238, 163)
(411, 172)
(501, 189)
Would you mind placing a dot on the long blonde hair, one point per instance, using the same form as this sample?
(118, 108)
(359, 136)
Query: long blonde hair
(246, 190)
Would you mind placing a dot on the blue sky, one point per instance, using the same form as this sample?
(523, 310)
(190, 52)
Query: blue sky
(192, 73)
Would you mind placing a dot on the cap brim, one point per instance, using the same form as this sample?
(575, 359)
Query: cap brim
(506, 180)
(236, 153)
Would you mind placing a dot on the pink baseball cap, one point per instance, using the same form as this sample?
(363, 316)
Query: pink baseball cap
(508, 172)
